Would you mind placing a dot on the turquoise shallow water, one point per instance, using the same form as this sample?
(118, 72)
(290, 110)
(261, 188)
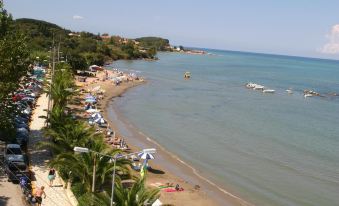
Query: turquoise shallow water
(271, 149)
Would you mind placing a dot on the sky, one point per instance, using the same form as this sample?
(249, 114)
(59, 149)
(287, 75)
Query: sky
(292, 27)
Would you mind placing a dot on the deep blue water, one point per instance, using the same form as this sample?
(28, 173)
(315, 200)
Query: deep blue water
(271, 149)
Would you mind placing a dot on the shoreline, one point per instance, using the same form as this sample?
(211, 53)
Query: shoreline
(182, 170)
(168, 166)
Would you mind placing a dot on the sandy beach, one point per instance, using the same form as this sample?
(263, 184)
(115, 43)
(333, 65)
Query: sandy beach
(166, 168)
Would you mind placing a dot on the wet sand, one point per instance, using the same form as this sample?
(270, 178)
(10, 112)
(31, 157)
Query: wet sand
(166, 168)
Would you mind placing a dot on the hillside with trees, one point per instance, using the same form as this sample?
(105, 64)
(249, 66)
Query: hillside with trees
(158, 43)
(81, 49)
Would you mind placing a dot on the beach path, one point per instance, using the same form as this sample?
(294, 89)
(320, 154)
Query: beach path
(56, 195)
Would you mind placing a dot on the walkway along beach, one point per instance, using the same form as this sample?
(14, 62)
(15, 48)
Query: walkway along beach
(56, 195)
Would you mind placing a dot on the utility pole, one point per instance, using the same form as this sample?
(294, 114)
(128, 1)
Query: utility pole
(59, 52)
(94, 171)
(51, 83)
(59, 49)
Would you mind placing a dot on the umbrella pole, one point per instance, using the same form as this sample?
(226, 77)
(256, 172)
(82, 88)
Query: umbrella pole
(113, 181)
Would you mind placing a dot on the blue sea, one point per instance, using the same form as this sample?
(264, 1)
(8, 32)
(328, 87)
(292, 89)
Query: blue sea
(270, 149)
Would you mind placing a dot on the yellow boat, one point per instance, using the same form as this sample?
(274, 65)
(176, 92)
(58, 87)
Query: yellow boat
(187, 75)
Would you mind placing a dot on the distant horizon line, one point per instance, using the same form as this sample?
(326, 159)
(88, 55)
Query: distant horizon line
(261, 53)
(201, 48)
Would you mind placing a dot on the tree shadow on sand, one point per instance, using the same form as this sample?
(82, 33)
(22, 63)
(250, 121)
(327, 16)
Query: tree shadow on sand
(3, 200)
(39, 157)
(156, 171)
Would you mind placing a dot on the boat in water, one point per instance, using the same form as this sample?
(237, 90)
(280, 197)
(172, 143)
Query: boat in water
(254, 86)
(268, 91)
(308, 95)
(259, 87)
(289, 91)
(250, 85)
(187, 75)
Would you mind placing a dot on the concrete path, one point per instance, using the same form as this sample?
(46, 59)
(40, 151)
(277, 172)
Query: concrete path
(56, 195)
(10, 194)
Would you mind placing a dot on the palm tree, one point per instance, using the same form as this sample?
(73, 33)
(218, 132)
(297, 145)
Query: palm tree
(137, 195)
(62, 82)
(81, 165)
(68, 134)
(102, 199)
(58, 117)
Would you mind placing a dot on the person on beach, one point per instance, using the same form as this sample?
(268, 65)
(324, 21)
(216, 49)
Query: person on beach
(38, 195)
(51, 176)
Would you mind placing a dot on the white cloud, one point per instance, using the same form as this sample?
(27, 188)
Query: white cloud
(332, 46)
(77, 17)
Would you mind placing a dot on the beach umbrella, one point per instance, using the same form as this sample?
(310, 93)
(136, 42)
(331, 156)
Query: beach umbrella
(90, 97)
(146, 156)
(96, 115)
(91, 110)
(100, 120)
(90, 100)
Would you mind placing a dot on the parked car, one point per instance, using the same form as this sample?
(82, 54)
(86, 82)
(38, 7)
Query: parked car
(22, 118)
(12, 149)
(16, 163)
(16, 167)
(22, 130)
(21, 125)
(22, 139)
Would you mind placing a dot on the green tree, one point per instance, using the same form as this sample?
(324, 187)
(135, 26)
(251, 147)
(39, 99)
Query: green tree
(62, 85)
(77, 62)
(6, 22)
(131, 50)
(94, 58)
(156, 42)
(115, 41)
(67, 135)
(102, 199)
(151, 52)
(138, 195)
(14, 63)
(81, 165)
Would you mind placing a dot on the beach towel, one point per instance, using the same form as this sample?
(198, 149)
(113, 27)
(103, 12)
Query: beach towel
(173, 190)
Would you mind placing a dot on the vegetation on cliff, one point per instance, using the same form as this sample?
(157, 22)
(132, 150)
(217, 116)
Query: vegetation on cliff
(81, 49)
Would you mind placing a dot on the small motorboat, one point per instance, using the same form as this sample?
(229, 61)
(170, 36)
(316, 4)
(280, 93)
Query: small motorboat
(187, 75)
(308, 95)
(250, 85)
(259, 87)
(268, 91)
(289, 91)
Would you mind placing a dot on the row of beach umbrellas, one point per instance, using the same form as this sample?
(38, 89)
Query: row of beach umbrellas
(96, 118)
(90, 99)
